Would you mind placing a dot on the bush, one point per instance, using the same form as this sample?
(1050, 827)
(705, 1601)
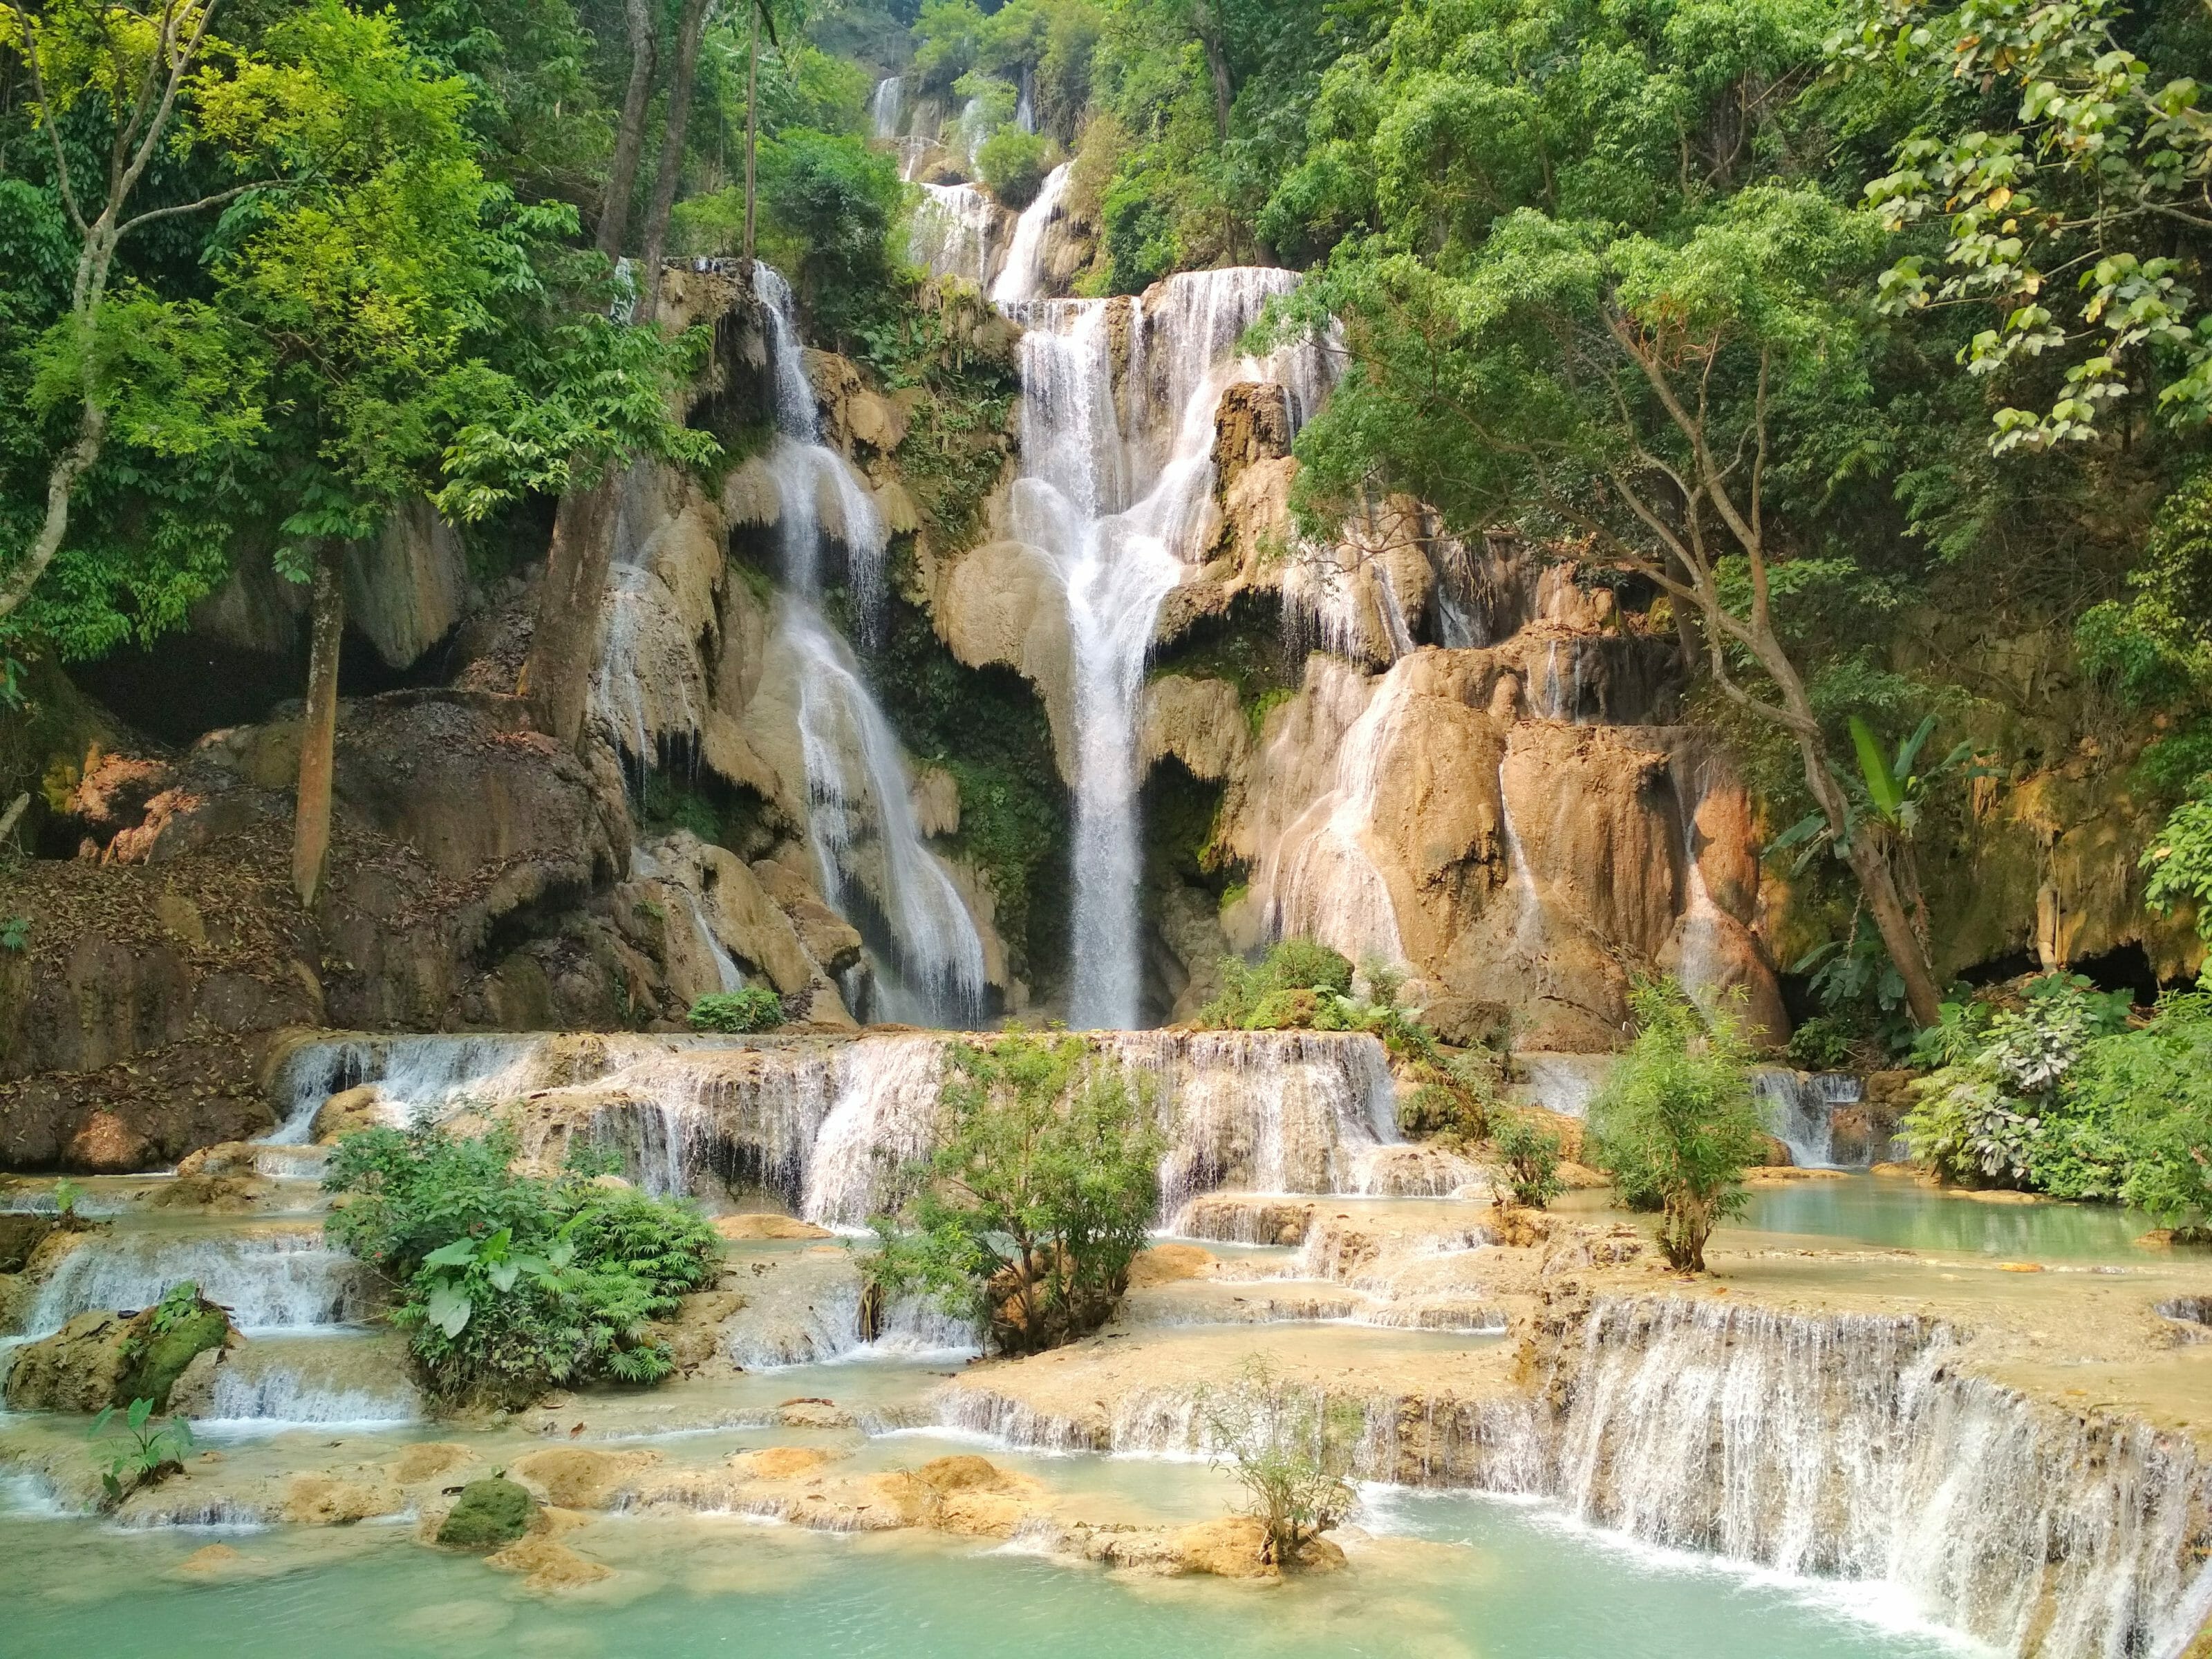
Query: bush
(1030, 1212)
(1292, 965)
(1822, 1043)
(140, 1455)
(509, 1285)
(1290, 1449)
(1531, 1155)
(754, 1008)
(1013, 164)
(1675, 1125)
(2133, 1116)
(1998, 1109)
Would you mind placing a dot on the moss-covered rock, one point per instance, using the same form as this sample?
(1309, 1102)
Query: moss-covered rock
(489, 1513)
(160, 1349)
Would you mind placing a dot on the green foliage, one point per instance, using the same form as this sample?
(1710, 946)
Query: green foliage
(829, 204)
(1013, 164)
(1290, 981)
(488, 1514)
(2149, 1091)
(509, 1283)
(754, 1008)
(1998, 1109)
(1038, 1198)
(1290, 1447)
(2178, 862)
(2072, 154)
(1822, 1043)
(1675, 1125)
(14, 933)
(175, 1331)
(1530, 1153)
(138, 1453)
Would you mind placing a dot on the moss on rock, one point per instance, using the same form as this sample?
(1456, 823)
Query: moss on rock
(489, 1513)
(158, 1357)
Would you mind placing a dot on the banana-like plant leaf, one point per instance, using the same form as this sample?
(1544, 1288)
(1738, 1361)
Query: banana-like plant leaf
(449, 1309)
(1881, 782)
(1908, 751)
(458, 1254)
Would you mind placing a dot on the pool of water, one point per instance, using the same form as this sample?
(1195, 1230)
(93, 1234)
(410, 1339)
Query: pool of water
(1446, 1577)
(1899, 1214)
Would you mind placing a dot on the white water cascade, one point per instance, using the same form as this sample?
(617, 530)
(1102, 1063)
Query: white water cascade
(1021, 279)
(822, 1124)
(887, 107)
(280, 1278)
(875, 867)
(956, 233)
(1115, 490)
(1842, 1447)
(1320, 880)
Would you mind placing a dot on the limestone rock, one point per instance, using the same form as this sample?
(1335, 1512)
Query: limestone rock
(581, 1477)
(330, 1500)
(549, 1564)
(78, 1369)
(759, 1224)
(1001, 604)
(407, 589)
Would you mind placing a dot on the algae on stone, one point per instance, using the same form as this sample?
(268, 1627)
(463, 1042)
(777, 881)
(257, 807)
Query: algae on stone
(489, 1513)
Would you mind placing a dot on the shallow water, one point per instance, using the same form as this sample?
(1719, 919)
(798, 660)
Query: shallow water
(1449, 1576)
(1893, 1213)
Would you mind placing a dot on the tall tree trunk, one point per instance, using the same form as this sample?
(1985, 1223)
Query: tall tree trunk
(752, 126)
(670, 172)
(1217, 64)
(311, 822)
(564, 644)
(629, 136)
(1878, 883)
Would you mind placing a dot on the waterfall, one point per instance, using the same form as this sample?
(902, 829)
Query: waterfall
(955, 232)
(430, 1075)
(269, 1278)
(1025, 104)
(1022, 278)
(823, 1124)
(1848, 1446)
(876, 869)
(1118, 545)
(280, 1381)
(1319, 880)
(1565, 1084)
(887, 106)
(1800, 1109)
(1845, 1446)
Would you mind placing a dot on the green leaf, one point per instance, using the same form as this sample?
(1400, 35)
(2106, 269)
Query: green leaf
(503, 1276)
(1881, 784)
(449, 1309)
(458, 1254)
(140, 1411)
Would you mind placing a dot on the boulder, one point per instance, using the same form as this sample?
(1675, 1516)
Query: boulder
(488, 1514)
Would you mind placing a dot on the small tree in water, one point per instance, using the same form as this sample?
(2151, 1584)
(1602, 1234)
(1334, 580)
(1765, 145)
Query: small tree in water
(1675, 1125)
(1036, 1201)
(1290, 1449)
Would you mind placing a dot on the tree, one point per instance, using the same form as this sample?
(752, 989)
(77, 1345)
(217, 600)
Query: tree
(1038, 1197)
(162, 372)
(1675, 1125)
(1290, 1447)
(2099, 171)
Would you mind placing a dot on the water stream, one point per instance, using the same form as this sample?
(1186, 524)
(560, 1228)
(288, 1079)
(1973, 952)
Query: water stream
(1118, 406)
(875, 867)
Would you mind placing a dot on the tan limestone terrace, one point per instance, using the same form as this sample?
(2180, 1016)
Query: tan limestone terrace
(1900, 1449)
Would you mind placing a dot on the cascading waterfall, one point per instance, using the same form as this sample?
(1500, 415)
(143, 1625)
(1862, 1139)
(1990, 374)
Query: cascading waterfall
(432, 1075)
(280, 1381)
(822, 1124)
(1799, 1111)
(1845, 1446)
(887, 107)
(1319, 881)
(1021, 279)
(1118, 546)
(876, 869)
(269, 1278)
(955, 233)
